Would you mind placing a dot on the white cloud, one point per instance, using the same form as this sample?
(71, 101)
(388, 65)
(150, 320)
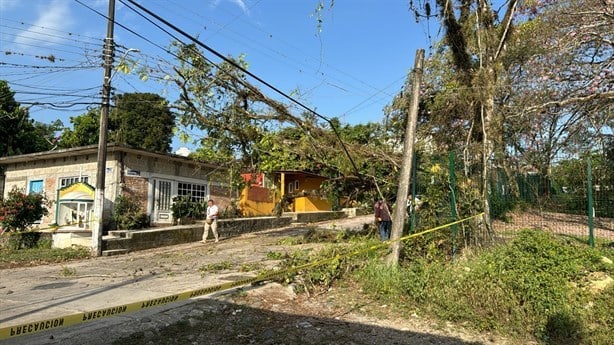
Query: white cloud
(56, 15)
(240, 3)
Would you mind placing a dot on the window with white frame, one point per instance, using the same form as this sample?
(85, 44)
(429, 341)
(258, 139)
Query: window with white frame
(67, 181)
(197, 192)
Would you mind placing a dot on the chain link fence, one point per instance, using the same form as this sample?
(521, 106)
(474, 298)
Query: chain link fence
(573, 197)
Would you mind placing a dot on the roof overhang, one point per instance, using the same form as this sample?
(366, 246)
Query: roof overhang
(93, 149)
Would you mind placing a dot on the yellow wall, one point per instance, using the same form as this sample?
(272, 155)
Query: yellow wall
(304, 201)
(255, 208)
(310, 204)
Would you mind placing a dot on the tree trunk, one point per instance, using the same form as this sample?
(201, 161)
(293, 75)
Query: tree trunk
(491, 134)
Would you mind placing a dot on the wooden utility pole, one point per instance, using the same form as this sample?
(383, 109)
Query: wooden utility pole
(108, 51)
(398, 216)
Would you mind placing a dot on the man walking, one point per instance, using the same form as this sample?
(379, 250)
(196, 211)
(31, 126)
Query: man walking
(211, 221)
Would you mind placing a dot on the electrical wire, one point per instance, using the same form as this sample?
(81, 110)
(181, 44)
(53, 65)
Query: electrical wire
(239, 67)
(284, 56)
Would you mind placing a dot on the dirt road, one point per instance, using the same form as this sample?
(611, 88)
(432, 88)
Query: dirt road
(266, 314)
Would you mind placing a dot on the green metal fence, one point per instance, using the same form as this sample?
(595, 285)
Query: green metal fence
(575, 198)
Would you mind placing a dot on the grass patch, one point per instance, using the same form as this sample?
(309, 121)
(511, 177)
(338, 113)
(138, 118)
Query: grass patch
(250, 266)
(275, 255)
(535, 286)
(11, 258)
(215, 267)
(68, 271)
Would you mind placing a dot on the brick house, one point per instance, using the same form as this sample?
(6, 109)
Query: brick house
(67, 176)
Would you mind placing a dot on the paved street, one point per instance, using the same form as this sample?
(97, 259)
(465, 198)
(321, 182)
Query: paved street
(44, 292)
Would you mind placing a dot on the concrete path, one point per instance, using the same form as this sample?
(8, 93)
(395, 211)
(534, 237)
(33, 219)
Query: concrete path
(39, 293)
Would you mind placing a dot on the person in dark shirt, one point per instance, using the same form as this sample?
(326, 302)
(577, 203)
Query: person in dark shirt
(383, 219)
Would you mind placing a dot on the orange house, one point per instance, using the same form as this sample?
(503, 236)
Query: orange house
(300, 189)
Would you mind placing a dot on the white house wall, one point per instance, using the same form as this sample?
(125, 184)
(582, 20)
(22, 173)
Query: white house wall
(127, 170)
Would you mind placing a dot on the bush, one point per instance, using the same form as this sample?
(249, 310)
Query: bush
(19, 210)
(128, 214)
(534, 286)
(23, 239)
(184, 207)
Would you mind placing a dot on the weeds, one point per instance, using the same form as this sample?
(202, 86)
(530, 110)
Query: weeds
(68, 271)
(249, 267)
(534, 286)
(215, 267)
(275, 255)
(41, 255)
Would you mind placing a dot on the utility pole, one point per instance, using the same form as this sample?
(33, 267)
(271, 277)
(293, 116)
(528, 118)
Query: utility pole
(108, 51)
(398, 215)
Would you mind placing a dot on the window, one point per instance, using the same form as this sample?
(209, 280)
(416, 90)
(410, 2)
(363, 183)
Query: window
(36, 186)
(67, 181)
(75, 214)
(293, 186)
(197, 192)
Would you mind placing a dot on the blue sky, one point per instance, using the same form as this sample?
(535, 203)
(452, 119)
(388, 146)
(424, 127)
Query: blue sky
(350, 69)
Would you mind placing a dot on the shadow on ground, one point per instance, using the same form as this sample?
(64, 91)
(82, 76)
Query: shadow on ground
(215, 322)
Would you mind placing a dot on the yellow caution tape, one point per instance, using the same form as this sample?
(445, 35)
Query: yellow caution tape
(74, 319)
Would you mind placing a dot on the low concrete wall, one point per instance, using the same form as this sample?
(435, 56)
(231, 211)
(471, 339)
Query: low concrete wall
(310, 217)
(67, 239)
(159, 237)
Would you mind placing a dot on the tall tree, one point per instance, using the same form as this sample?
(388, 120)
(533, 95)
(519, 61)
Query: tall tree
(142, 120)
(475, 39)
(234, 115)
(560, 65)
(20, 134)
(84, 131)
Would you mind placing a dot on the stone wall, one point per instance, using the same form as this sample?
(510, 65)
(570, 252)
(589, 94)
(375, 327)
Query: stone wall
(159, 237)
(309, 217)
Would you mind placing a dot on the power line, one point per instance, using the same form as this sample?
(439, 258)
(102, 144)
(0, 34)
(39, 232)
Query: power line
(17, 65)
(71, 34)
(237, 66)
(55, 88)
(298, 49)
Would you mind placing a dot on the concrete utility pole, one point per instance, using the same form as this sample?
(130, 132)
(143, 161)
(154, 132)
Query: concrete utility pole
(108, 51)
(398, 216)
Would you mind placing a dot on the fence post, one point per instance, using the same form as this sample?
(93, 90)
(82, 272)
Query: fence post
(453, 202)
(591, 211)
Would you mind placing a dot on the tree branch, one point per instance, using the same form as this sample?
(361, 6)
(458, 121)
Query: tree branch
(507, 22)
(580, 99)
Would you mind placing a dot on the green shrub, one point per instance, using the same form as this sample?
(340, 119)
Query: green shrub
(184, 207)
(19, 210)
(24, 239)
(534, 286)
(128, 213)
